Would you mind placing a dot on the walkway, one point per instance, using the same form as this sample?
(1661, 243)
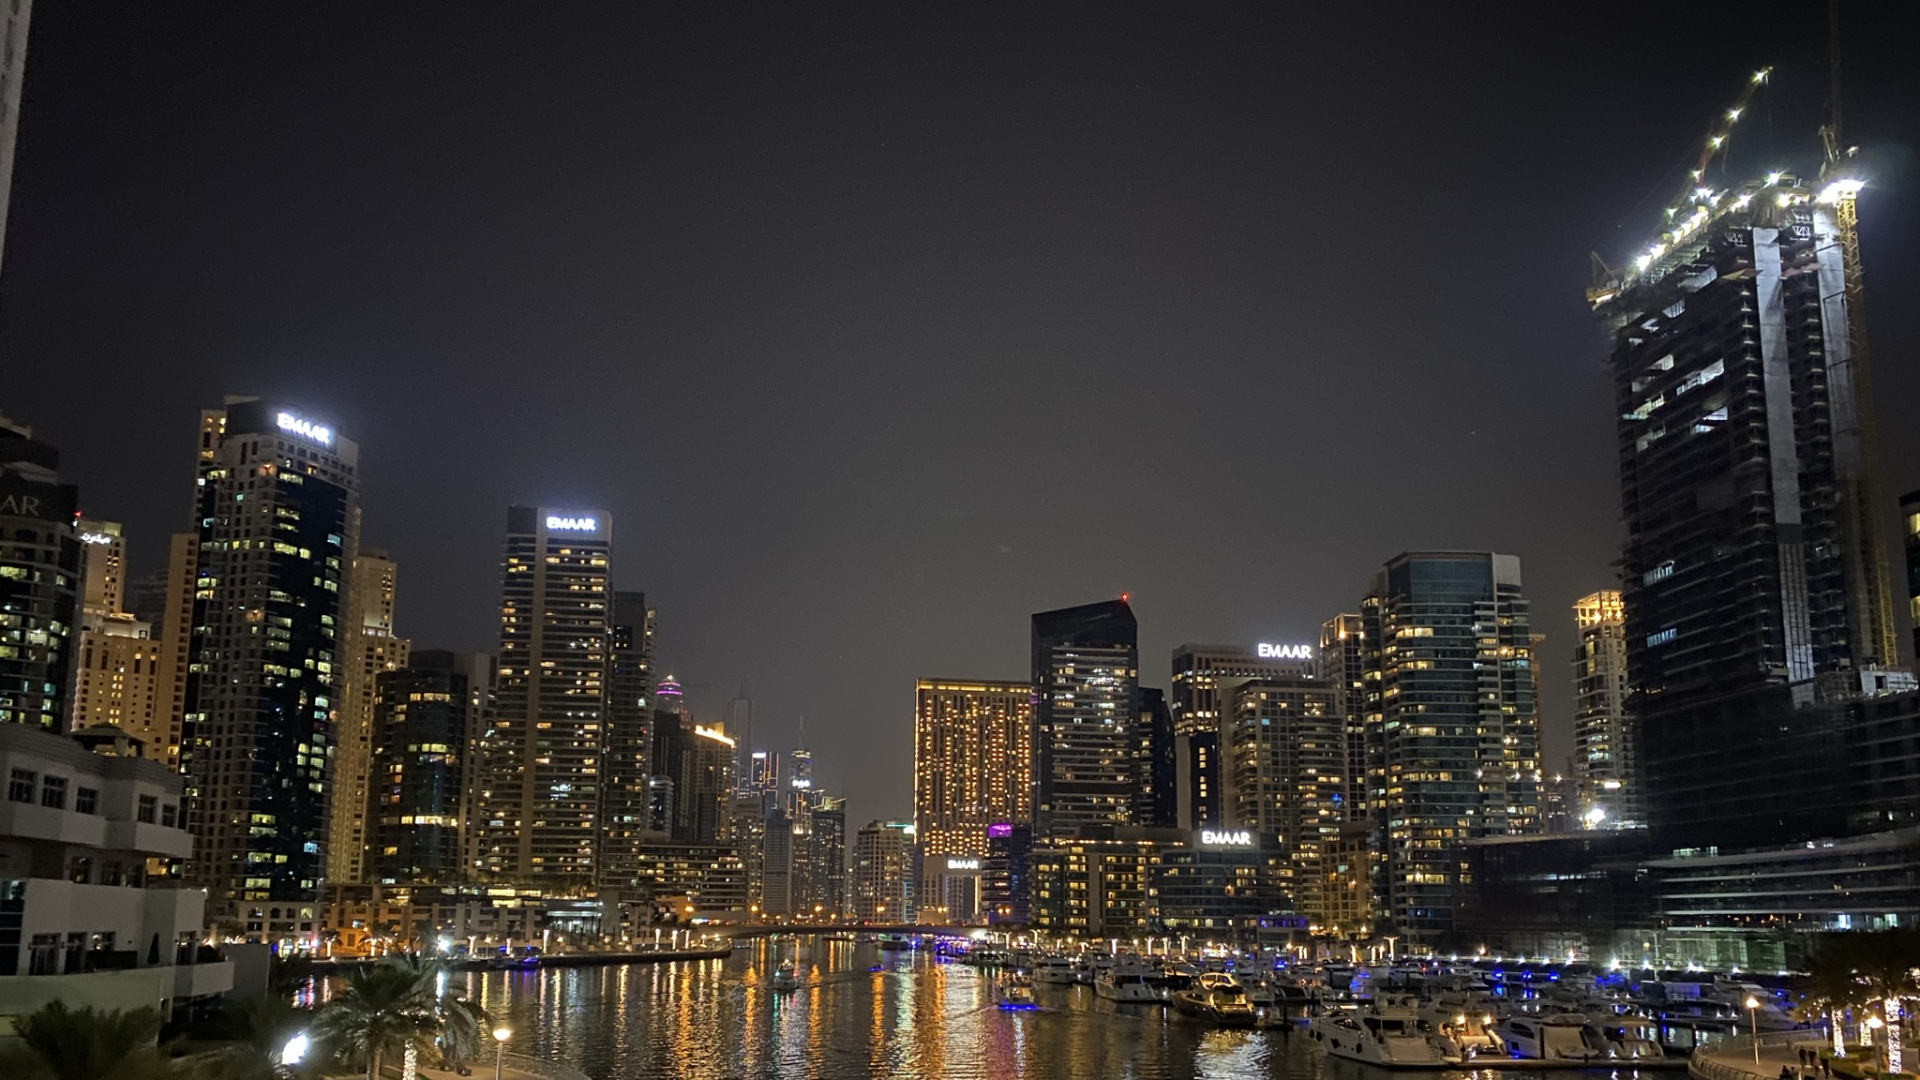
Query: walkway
(515, 1067)
(1733, 1059)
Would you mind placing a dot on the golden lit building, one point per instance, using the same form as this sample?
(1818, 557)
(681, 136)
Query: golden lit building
(972, 762)
(1603, 750)
(371, 648)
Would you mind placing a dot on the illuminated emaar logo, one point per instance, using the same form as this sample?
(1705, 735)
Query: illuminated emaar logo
(1286, 652)
(572, 524)
(305, 428)
(963, 864)
(1226, 838)
(95, 538)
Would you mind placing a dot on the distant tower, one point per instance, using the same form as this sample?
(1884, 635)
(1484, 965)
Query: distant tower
(627, 766)
(1343, 663)
(41, 589)
(371, 649)
(1604, 765)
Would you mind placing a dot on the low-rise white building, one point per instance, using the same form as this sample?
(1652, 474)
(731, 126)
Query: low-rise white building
(88, 915)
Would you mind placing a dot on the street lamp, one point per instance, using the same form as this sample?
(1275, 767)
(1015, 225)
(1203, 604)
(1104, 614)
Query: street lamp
(1753, 1025)
(500, 1036)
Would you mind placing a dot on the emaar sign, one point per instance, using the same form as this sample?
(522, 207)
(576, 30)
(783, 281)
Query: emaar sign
(1285, 652)
(556, 523)
(1226, 838)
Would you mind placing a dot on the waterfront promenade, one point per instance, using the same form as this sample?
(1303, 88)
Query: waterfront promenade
(513, 1067)
(1734, 1059)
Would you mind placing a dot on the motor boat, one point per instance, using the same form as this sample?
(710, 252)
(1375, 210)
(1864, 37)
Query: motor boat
(1633, 1035)
(1560, 1037)
(1217, 997)
(784, 976)
(1468, 1028)
(1390, 1035)
(1127, 985)
(1054, 971)
(1260, 992)
(1015, 990)
(1168, 981)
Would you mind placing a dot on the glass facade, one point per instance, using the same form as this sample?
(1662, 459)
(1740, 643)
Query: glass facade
(278, 520)
(1286, 765)
(428, 719)
(972, 761)
(628, 762)
(1086, 669)
(40, 582)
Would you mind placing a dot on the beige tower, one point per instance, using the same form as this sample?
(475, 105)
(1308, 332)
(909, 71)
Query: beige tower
(370, 649)
(116, 679)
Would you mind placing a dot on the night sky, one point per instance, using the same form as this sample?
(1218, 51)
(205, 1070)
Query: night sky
(879, 330)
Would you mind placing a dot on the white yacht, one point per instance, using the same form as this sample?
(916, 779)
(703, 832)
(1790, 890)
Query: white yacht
(1390, 1036)
(785, 977)
(1053, 971)
(1633, 1035)
(1128, 984)
(1217, 997)
(1560, 1037)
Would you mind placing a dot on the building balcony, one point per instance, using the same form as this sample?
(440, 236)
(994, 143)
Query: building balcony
(202, 980)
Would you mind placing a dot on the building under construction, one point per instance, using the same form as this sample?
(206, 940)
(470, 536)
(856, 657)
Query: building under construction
(1755, 580)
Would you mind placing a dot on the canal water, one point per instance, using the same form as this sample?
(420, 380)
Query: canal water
(913, 1018)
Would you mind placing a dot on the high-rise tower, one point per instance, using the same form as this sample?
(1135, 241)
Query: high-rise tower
(40, 568)
(972, 761)
(1754, 578)
(1086, 671)
(628, 765)
(1604, 763)
(550, 695)
(13, 71)
(277, 509)
(1448, 645)
(1343, 663)
(371, 649)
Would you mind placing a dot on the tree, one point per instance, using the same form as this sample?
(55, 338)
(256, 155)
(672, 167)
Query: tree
(88, 1044)
(249, 1038)
(395, 1005)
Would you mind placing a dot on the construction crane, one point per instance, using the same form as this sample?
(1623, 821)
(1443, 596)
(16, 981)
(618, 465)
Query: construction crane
(1606, 280)
(1870, 604)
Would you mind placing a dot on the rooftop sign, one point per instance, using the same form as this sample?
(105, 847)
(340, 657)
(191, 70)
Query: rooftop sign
(557, 523)
(305, 428)
(1285, 652)
(1226, 838)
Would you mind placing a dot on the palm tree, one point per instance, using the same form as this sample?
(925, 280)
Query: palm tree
(386, 1007)
(395, 1005)
(249, 1039)
(89, 1044)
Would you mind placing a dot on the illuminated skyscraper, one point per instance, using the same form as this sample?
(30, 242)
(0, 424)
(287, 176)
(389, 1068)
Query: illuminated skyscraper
(628, 765)
(117, 678)
(1285, 764)
(371, 649)
(1198, 669)
(1604, 767)
(1086, 670)
(698, 762)
(972, 761)
(549, 730)
(1910, 525)
(1448, 646)
(429, 720)
(278, 513)
(40, 568)
(884, 881)
(1343, 663)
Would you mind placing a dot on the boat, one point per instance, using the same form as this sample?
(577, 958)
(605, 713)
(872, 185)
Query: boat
(1560, 1037)
(1127, 985)
(894, 942)
(1632, 1035)
(1390, 1036)
(1015, 990)
(1053, 971)
(1217, 997)
(784, 977)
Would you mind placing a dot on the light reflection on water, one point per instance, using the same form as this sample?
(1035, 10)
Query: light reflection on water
(914, 1018)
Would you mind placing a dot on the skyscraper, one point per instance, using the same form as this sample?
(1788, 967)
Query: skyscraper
(550, 696)
(1086, 670)
(1155, 789)
(371, 649)
(277, 508)
(40, 569)
(1343, 663)
(698, 762)
(1448, 646)
(1198, 671)
(827, 857)
(429, 719)
(972, 761)
(1286, 759)
(13, 71)
(628, 764)
(1604, 767)
(1755, 579)
(884, 883)
(118, 672)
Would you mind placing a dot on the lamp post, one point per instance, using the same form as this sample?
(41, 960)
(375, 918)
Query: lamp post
(1753, 1025)
(500, 1036)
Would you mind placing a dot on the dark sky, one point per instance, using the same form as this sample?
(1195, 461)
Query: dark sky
(879, 330)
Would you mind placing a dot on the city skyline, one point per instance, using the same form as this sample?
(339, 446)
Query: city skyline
(930, 542)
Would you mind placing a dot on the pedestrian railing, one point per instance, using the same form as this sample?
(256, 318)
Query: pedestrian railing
(1732, 1058)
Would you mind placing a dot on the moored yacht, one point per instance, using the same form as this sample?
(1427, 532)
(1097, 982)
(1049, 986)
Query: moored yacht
(1560, 1037)
(1126, 984)
(1053, 971)
(1391, 1036)
(1215, 996)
